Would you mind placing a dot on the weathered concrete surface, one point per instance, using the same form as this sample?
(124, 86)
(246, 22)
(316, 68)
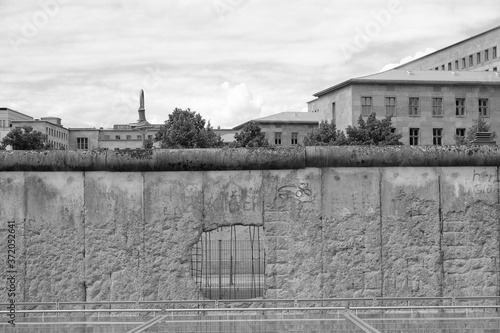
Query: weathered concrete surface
(248, 158)
(470, 230)
(328, 232)
(54, 235)
(173, 210)
(351, 227)
(13, 208)
(113, 236)
(293, 229)
(232, 197)
(411, 232)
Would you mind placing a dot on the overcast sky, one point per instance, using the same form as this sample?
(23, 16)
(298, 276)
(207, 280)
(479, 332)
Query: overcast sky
(230, 60)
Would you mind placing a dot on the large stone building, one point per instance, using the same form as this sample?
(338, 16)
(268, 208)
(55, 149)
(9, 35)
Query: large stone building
(428, 107)
(432, 99)
(477, 53)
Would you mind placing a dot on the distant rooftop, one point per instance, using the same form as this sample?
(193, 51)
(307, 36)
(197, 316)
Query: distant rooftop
(286, 117)
(421, 77)
(10, 110)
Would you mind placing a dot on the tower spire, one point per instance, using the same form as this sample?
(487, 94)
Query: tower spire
(142, 110)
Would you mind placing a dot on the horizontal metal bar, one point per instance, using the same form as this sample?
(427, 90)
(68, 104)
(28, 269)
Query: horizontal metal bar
(180, 302)
(291, 309)
(30, 303)
(97, 303)
(413, 298)
(180, 310)
(424, 307)
(84, 311)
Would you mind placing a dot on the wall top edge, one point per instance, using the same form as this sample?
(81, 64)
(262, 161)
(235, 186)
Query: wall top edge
(249, 158)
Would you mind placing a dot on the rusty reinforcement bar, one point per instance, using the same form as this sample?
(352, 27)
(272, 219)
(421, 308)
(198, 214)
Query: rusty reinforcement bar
(248, 158)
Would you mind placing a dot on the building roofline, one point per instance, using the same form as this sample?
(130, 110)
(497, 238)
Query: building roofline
(7, 109)
(37, 121)
(447, 47)
(265, 120)
(368, 80)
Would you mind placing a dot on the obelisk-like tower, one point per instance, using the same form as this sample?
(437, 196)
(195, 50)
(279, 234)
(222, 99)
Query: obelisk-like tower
(142, 124)
(142, 110)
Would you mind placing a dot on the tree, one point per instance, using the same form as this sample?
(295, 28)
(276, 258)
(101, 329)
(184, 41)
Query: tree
(471, 132)
(186, 129)
(325, 135)
(373, 132)
(251, 135)
(25, 138)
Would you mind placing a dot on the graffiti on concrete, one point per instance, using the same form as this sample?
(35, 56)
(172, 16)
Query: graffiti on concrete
(299, 192)
(484, 182)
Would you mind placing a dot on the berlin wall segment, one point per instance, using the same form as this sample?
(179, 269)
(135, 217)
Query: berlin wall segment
(328, 232)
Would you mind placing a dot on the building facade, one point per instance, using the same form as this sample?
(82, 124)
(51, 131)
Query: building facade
(57, 135)
(286, 129)
(477, 53)
(428, 107)
(7, 117)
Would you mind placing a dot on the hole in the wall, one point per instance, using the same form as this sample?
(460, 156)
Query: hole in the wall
(229, 263)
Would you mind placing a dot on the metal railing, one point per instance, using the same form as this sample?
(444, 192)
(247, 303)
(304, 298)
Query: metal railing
(154, 307)
(295, 302)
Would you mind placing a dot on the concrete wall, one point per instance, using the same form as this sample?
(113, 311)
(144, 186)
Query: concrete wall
(329, 231)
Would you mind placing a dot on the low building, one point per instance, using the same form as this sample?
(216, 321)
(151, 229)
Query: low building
(7, 117)
(286, 129)
(57, 135)
(428, 107)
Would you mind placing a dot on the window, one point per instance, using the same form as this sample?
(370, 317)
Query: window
(437, 106)
(471, 61)
(414, 133)
(139, 137)
(486, 55)
(483, 107)
(333, 113)
(460, 107)
(129, 137)
(277, 138)
(437, 68)
(460, 133)
(495, 69)
(150, 137)
(442, 67)
(494, 55)
(463, 63)
(117, 148)
(295, 138)
(456, 65)
(449, 66)
(390, 106)
(366, 106)
(478, 57)
(82, 143)
(437, 136)
(414, 106)
(106, 137)
(117, 137)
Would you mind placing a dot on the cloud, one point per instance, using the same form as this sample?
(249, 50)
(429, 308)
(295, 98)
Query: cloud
(240, 105)
(407, 59)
